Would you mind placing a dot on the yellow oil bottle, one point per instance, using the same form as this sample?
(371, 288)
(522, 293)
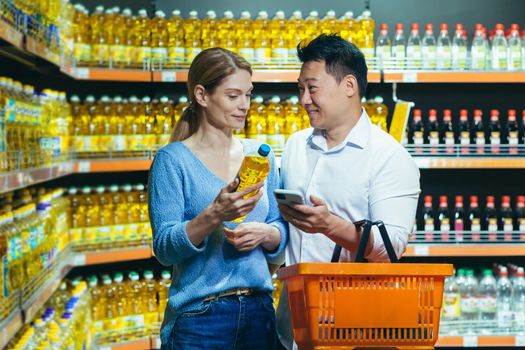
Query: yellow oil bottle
(81, 36)
(149, 299)
(244, 29)
(313, 26)
(99, 46)
(141, 40)
(131, 211)
(116, 124)
(176, 49)
(210, 30)
(180, 107)
(254, 169)
(275, 127)
(143, 226)
(135, 305)
(296, 32)
(366, 35)
(128, 36)
(192, 36)
(119, 213)
(279, 44)
(118, 48)
(159, 40)
(293, 118)
(105, 216)
(120, 303)
(380, 113)
(256, 120)
(91, 208)
(146, 123)
(132, 129)
(110, 307)
(163, 293)
(163, 126)
(347, 25)
(14, 249)
(227, 35)
(109, 35)
(103, 126)
(91, 136)
(262, 39)
(330, 24)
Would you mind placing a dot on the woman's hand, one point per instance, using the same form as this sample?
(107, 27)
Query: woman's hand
(230, 205)
(247, 236)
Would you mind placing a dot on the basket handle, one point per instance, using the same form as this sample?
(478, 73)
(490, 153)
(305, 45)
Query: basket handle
(367, 227)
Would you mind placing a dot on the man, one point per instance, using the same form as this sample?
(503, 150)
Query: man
(346, 168)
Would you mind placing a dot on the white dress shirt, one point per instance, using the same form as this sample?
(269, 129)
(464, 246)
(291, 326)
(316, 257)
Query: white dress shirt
(368, 176)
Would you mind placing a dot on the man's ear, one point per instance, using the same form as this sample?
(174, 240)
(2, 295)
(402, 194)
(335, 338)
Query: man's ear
(350, 85)
(201, 97)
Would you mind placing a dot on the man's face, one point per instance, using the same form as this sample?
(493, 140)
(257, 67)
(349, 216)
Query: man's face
(322, 96)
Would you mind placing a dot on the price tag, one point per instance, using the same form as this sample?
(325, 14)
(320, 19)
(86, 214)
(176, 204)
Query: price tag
(410, 77)
(421, 250)
(83, 166)
(104, 348)
(470, 341)
(169, 77)
(79, 260)
(81, 73)
(157, 343)
(520, 340)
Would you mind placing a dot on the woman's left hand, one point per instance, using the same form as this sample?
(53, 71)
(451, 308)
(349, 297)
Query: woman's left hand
(247, 236)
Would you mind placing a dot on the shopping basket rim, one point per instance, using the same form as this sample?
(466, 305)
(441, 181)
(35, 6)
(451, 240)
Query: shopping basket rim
(368, 269)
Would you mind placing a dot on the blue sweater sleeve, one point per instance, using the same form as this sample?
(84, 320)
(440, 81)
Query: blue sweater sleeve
(274, 215)
(166, 204)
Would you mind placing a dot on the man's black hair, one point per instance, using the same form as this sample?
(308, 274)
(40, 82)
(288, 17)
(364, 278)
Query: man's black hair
(340, 56)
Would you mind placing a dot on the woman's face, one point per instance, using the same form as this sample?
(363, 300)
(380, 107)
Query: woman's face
(228, 105)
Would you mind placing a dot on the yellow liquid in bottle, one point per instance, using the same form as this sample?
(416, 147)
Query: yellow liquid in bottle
(176, 50)
(192, 36)
(313, 26)
(254, 169)
(163, 292)
(99, 46)
(275, 128)
(141, 42)
(159, 40)
(163, 121)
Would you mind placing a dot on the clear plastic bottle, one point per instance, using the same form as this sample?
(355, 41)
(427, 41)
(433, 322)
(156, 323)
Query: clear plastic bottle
(142, 40)
(312, 26)
(99, 46)
(514, 56)
(487, 301)
(227, 37)
(296, 33)
(459, 49)
(469, 301)
(383, 47)
(451, 302)
(518, 301)
(429, 48)
(244, 36)
(347, 24)
(478, 52)
(149, 297)
(398, 47)
(499, 52)
(505, 309)
(209, 30)
(275, 127)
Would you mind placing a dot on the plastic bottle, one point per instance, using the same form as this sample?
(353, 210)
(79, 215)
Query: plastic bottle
(254, 169)
(118, 48)
(256, 120)
(504, 295)
(293, 120)
(245, 44)
(487, 300)
(506, 217)
(176, 48)
(518, 301)
(398, 47)
(209, 30)
(432, 128)
(164, 124)
(474, 219)
(149, 297)
(459, 49)
(109, 34)
(142, 40)
(478, 129)
(416, 129)
(429, 48)
(443, 219)
(523, 49)
(296, 33)
(514, 52)
(347, 26)
(520, 216)
(459, 218)
(479, 54)
(275, 123)
(227, 37)
(490, 219)
(367, 30)
(512, 128)
(278, 39)
(312, 26)
(447, 130)
(163, 293)
(135, 310)
(469, 301)
(81, 36)
(494, 130)
(98, 304)
(383, 47)
(428, 219)
(499, 54)
(99, 46)
(159, 40)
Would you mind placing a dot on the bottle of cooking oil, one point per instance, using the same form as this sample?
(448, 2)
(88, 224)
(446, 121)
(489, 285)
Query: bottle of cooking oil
(366, 34)
(159, 40)
(98, 304)
(110, 307)
(313, 26)
(116, 124)
(134, 297)
(119, 212)
(163, 115)
(180, 107)
(227, 36)
(131, 210)
(103, 126)
(209, 30)
(81, 36)
(275, 128)
(109, 35)
(176, 48)
(146, 122)
(76, 126)
(296, 32)
(142, 44)
(91, 215)
(278, 38)
(149, 297)
(118, 47)
(134, 137)
(380, 113)
(254, 169)
(256, 120)
(127, 34)
(14, 251)
(192, 36)
(330, 24)
(347, 26)
(163, 293)
(261, 39)
(120, 302)
(105, 215)
(91, 137)
(293, 120)
(244, 36)
(77, 215)
(99, 46)
(143, 226)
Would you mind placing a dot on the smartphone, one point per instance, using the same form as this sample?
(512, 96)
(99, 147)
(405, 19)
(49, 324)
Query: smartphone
(288, 197)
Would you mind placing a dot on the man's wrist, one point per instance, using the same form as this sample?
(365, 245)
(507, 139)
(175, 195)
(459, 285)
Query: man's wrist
(336, 225)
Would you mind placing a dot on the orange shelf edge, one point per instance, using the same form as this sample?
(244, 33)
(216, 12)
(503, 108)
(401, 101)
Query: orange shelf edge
(482, 341)
(453, 77)
(119, 165)
(139, 344)
(119, 75)
(116, 256)
(470, 163)
(465, 250)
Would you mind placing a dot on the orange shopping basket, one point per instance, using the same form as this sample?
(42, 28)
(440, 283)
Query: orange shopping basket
(365, 305)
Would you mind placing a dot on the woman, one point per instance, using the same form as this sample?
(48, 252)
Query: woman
(220, 297)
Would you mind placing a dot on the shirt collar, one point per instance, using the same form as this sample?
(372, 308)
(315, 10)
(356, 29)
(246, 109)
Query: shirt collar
(357, 137)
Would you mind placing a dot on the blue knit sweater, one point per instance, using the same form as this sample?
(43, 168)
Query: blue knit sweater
(181, 187)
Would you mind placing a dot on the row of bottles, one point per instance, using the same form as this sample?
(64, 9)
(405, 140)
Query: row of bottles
(122, 124)
(487, 305)
(33, 230)
(377, 111)
(108, 217)
(65, 324)
(129, 308)
(466, 132)
(499, 50)
(110, 37)
(457, 223)
(33, 126)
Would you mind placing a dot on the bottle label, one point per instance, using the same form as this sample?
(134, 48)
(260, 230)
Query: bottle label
(469, 305)
(495, 138)
(5, 276)
(176, 54)
(449, 138)
(443, 56)
(515, 57)
(508, 225)
(191, 52)
(429, 56)
(118, 53)
(383, 52)
(279, 55)
(479, 57)
(414, 56)
(459, 57)
(75, 234)
(247, 53)
(159, 55)
(368, 52)
(480, 138)
(464, 138)
(418, 138)
(276, 141)
(434, 138)
(400, 54)
(505, 318)
(513, 138)
(488, 304)
(100, 53)
(499, 57)
(263, 55)
(451, 306)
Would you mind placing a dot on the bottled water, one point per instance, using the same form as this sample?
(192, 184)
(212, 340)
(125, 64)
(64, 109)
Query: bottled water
(451, 302)
(469, 301)
(504, 295)
(487, 300)
(518, 301)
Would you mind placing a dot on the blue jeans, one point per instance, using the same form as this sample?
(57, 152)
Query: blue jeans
(227, 323)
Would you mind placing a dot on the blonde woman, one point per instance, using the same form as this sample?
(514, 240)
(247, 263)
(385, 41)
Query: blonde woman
(220, 297)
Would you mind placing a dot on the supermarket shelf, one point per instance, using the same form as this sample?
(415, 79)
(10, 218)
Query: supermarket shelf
(469, 162)
(480, 341)
(103, 257)
(10, 34)
(465, 249)
(9, 327)
(411, 76)
(106, 74)
(39, 49)
(139, 344)
(15, 180)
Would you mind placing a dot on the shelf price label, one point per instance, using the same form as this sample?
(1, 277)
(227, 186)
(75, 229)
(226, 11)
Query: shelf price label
(84, 167)
(410, 77)
(519, 340)
(421, 250)
(169, 77)
(81, 73)
(470, 341)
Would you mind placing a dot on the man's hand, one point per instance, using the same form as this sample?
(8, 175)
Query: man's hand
(311, 219)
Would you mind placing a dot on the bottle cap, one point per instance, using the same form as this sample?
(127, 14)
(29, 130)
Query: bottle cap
(264, 150)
